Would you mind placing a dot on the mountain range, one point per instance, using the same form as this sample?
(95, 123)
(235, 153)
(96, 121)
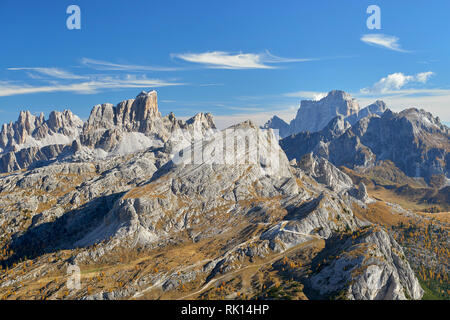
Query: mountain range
(335, 212)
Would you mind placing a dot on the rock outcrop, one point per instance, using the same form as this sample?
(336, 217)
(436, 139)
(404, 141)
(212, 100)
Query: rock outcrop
(278, 124)
(325, 173)
(219, 187)
(370, 266)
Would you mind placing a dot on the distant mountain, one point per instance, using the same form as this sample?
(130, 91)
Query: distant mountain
(414, 140)
(313, 116)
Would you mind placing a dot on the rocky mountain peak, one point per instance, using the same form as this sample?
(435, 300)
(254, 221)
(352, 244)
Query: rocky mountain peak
(63, 122)
(145, 106)
(338, 95)
(277, 123)
(336, 127)
(202, 119)
(415, 141)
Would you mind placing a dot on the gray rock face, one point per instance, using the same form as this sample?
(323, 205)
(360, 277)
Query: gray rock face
(24, 158)
(376, 108)
(296, 146)
(362, 192)
(313, 116)
(32, 139)
(182, 195)
(325, 173)
(370, 267)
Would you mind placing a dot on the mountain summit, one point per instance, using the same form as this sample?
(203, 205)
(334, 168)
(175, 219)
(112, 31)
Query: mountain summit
(314, 115)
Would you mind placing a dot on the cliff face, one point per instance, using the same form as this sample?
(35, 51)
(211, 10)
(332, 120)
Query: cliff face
(314, 115)
(279, 124)
(109, 125)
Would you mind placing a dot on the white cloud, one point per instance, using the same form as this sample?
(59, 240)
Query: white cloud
(226, 60)
(87, 87)
(396, 81)
(383, 40)
(52, 72)
(424, 76)
(105, 65)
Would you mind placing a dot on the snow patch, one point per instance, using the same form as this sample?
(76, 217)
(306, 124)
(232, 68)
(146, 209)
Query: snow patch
(51, 139)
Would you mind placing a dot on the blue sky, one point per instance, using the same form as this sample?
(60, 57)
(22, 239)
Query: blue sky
(236, 59)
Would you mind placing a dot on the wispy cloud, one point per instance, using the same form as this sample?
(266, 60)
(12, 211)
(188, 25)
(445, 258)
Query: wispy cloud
(88, 87)
(383, 40)
(105, 65)
(227, 60)
(396, 81)
(52, 72)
